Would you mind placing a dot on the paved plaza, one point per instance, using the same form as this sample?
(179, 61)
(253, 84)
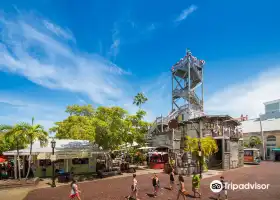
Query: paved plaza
(117, 189)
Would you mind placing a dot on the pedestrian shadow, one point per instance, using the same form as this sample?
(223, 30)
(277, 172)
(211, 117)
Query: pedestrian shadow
(130, 198)
(190, 196)
(212, 198)
(150, 195)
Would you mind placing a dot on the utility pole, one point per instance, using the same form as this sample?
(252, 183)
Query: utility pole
(264, 158)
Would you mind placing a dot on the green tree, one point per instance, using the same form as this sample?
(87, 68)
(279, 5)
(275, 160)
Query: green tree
(17, 134)
(78, 126)
(246, 145)
(208, 147)
(35, 132)
(111, 128)
(254, 141)
(77, 110)
(140, 99)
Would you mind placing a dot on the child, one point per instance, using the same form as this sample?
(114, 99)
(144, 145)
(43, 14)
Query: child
(182, 191)
(196, 184)
(155, 184)
(134, 189)
(224, 188)
(172, 179)
(75, 192)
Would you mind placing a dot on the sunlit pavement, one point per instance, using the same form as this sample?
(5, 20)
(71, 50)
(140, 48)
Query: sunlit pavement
(266, 173)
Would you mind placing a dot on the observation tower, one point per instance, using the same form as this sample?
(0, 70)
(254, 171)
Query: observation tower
(187, 93)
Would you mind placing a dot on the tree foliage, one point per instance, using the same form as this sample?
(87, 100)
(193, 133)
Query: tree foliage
(75, 127)
(109, 127)
(77, 110)
(208, 147)
(254, 141)
(12, 137)
(140, 99)
(34, 132)
(17, 134)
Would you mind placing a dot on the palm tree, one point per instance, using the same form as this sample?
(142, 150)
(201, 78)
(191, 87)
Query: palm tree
(254, 141)
(140, 99)
(18, 134)
(35, 132)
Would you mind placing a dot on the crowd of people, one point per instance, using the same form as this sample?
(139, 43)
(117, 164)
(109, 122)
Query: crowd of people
(182, 192)
(6, 170)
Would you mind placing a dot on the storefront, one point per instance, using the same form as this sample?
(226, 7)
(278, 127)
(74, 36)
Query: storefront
(75, 156)
(276, 154)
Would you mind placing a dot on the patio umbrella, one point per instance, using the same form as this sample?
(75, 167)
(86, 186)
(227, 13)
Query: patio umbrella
(2, 159)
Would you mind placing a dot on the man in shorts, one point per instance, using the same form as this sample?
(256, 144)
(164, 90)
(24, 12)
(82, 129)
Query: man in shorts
(196, 184)
(224, 191)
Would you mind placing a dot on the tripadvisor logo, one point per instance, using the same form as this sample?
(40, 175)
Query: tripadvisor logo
(217, 186)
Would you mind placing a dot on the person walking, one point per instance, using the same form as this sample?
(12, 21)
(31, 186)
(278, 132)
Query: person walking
(196, 185)
(224, 191)
(134, 188)
(182, 191)
(44, 170)
(75, 192)
(156, 186)
(171, 177)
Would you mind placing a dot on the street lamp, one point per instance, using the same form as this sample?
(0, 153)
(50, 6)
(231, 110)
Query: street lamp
(53, 143)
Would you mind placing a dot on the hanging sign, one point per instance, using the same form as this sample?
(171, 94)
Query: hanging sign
(43, 156)
(53, 158)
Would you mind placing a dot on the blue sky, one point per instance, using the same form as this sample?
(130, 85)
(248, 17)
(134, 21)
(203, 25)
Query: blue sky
(56, 53)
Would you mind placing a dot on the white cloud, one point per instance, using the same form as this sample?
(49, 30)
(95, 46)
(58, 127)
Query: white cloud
(59, 31)
(28, 50)
(248, 97)
(185, 13)
(114, 49)
(25, 108)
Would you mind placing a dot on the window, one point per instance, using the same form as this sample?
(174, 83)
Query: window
(271, 145)
(271, 138)
(272, 107)
(45, 163)
(248, 153)
(80, 161)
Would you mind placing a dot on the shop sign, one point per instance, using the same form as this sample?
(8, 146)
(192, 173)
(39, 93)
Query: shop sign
(76, 144)
(71, 155)
(43, 156)
(53, 158)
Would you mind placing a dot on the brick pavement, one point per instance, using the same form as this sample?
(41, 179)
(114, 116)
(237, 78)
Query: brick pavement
(117, 189)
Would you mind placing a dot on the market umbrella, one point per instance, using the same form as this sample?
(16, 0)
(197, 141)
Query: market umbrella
(2, 159)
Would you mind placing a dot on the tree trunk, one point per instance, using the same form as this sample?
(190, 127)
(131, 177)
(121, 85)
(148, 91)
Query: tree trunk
(29, 160)
(18, 162)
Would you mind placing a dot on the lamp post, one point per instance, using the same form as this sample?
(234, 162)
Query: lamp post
(53, 143)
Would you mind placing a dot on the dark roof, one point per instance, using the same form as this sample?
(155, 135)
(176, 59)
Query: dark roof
(215, 117)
